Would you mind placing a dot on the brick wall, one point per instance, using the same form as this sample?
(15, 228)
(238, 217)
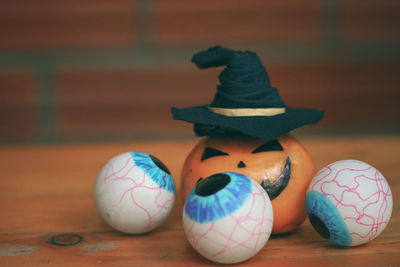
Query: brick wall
(97, 70)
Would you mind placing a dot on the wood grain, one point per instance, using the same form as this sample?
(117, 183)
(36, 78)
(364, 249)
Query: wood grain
(46, 191)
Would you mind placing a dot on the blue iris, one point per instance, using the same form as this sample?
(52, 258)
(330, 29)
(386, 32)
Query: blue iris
(155, 169)
(326, 219)
(217, 196)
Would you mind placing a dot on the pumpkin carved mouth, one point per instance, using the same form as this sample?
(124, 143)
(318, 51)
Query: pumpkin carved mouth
(274, 189)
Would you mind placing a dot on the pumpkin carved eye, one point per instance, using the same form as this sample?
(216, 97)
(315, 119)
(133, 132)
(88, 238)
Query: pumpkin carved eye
(273, 145)
(212, 152)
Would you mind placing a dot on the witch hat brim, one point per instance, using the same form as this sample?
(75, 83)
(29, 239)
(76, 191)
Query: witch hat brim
(245, 102)
(264, 127)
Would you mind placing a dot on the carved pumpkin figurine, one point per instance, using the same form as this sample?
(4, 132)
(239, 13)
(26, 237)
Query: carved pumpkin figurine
(247, 125)
(281, 166)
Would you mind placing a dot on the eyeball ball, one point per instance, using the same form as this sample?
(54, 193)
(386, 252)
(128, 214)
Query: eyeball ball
(134, 192)
(227, 217)
(349, 202)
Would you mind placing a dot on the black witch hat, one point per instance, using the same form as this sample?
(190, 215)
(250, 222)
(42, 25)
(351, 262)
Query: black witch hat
(245, 102)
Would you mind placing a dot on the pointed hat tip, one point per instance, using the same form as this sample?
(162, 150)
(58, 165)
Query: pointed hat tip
(213, 57)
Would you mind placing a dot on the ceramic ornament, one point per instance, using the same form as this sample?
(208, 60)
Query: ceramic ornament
(134, 192)
(246, 129)
(349, 202)
(282, 167)
(227, 217)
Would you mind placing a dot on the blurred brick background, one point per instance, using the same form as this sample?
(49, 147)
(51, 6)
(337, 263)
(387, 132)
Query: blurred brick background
(99, 70)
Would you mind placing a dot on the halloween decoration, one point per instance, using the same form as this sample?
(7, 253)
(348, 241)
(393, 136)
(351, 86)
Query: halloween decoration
(281, 166)
(245, 102)
(247, 124)
(349, 202)
(227, 217)
(134, 192)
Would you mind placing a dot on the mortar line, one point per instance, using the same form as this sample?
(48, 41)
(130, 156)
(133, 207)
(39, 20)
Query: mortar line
(46, 113)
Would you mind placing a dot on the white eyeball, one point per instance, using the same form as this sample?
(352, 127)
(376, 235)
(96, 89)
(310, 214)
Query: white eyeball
(349, 202)
(134, 192)
(227, 217)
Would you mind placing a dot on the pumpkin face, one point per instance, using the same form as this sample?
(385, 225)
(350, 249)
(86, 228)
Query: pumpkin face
(281, 166)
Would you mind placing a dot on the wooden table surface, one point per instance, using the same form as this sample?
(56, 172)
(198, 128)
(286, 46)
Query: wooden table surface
(46, 194)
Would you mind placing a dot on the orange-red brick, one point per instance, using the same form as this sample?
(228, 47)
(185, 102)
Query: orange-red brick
(18, 104)
(137, 102)
(370, 20)
(129, 102)
(46, 24)
(234, 21)
(353, 95)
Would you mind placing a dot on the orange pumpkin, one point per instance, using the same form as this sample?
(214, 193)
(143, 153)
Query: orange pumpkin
(282, 166)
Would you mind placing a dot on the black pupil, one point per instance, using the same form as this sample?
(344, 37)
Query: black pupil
(212, 184)
(319, 226)
(159, 164)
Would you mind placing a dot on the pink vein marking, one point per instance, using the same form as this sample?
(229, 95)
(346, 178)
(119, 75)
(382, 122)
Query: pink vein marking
(230, 243)
(381, 196)
(122, 174)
